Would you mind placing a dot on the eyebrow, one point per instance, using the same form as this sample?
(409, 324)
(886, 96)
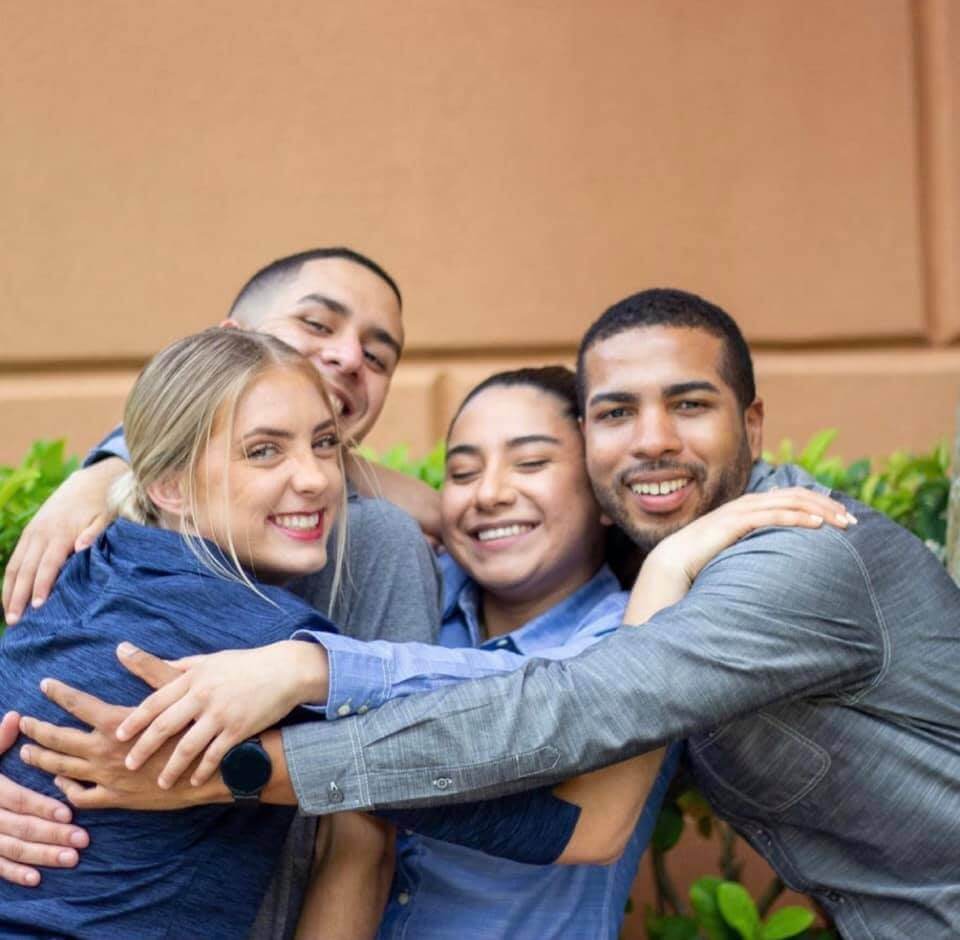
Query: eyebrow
(473, 451)
(265, 431)
(342, 310)
(669, 391)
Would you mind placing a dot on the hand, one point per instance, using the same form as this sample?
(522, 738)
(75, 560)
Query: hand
(689, 549)
(228, 696)
(69, 521)
(33, 828)
(97, 757)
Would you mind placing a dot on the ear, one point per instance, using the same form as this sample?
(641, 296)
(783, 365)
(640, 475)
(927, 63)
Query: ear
(230, 324)
(753, 422)
(168, 495)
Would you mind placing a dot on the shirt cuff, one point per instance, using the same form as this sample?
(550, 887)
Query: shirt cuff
(326, 767)
(358, 679)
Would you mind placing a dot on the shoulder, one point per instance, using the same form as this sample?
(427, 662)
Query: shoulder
(371, 520)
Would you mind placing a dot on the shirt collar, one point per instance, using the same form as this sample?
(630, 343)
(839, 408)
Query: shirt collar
(552, 628)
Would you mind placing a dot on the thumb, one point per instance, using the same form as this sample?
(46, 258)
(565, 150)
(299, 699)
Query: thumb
(154, 671)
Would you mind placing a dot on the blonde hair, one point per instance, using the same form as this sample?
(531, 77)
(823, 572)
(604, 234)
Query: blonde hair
(182, 394)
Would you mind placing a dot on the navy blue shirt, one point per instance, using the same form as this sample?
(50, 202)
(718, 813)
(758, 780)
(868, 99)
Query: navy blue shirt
(196, 872)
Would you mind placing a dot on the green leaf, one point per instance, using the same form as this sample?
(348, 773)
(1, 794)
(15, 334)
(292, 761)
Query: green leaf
(703, 897)
(787, 922)
(738, 909)
(669, 828)
(817, 446)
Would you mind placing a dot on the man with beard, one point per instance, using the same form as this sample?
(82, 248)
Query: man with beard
(813, 671)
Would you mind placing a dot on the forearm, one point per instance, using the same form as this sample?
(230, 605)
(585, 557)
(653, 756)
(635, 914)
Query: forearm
(690, 668)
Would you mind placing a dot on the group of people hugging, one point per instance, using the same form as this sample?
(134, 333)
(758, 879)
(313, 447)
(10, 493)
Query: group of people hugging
(287, 692)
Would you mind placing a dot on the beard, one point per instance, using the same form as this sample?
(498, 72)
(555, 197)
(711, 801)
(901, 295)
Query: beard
(647, 533)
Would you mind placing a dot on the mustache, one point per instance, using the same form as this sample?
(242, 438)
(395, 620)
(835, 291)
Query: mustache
(695, 471)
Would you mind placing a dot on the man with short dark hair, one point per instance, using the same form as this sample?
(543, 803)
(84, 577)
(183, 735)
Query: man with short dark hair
(343, 311)
(814, 671)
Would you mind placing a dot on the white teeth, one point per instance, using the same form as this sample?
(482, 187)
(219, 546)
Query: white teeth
(658, 489)
(339, 405)
(503, 532)
(299, 520)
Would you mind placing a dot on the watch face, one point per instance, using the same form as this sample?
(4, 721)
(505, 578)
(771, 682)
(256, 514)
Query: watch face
(246, 768)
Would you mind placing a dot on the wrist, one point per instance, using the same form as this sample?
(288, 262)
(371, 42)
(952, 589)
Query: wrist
(311, 669)
(279, 790)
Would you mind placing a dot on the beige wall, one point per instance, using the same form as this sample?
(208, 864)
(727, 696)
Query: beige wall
(518, 166)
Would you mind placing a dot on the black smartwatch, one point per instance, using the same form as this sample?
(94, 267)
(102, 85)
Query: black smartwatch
(246, 770)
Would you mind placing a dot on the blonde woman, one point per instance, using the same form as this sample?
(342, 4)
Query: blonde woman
(235, 483)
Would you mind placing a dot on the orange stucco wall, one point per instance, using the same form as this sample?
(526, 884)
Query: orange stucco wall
(517, 166)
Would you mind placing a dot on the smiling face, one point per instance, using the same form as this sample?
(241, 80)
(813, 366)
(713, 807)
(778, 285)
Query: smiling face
(272, 484)
(346, 320)
(666, 438)
(518, 513)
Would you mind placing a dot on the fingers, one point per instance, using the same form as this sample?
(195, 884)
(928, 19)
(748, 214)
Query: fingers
(52, 559)
(186, 752)
(212, 758)
(170, 722)
(88, 708)
(19, 874)
(31, 853)
(89, 535)
(34, 831)
(154, 671)
(21, 801)
(21, 574)
(52, 762)
(84, 797)
(9, 729)
(70, 741)
(152, 706)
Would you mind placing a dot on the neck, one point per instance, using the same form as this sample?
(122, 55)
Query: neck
(504, 612)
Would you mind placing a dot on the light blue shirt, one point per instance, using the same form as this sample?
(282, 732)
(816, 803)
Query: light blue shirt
(442, 890)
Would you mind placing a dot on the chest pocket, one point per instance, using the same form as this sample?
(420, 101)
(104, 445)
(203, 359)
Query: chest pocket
(758, 763)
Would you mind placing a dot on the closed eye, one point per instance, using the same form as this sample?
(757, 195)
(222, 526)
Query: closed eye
(316, 326)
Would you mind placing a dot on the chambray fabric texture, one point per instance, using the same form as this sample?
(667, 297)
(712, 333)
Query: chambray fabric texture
(815, 675)
(144, 875)
(444, 890)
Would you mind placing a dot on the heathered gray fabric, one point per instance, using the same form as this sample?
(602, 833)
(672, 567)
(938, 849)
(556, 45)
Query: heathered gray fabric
(390, 591)
(815, 675)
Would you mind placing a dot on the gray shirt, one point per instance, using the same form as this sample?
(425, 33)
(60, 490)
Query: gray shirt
(390, 590)
(815, 674)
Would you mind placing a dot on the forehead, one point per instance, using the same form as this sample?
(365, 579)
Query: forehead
(280, 395)
(368, 297)
(652, 358)
(501, 414)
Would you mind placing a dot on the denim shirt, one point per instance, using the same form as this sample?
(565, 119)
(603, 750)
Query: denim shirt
(144, 874)
(815, 672)
(442, 889)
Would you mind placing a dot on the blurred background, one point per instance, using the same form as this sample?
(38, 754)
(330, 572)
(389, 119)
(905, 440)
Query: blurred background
(518, 166)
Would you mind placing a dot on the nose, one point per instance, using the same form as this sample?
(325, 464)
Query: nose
(656, 434)
(311, 476)
(494, 489)
(343, 351)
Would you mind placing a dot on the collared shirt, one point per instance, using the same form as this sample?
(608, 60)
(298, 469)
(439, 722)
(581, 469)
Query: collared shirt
(815, 673)
(442, 889)
(144, 874)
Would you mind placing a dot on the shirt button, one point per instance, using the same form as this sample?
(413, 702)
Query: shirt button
(503, 642)
(403, 898)
(441, 783)
(334, 793)
(362, 710)
(343, 710)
